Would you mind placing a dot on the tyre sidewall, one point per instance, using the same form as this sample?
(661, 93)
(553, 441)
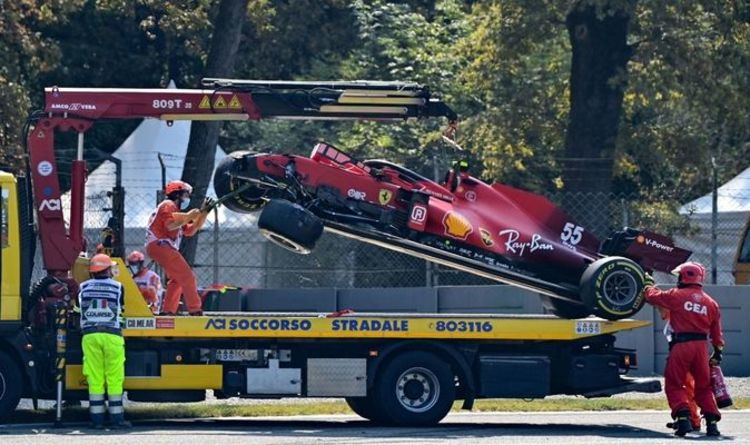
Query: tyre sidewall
(385, 398)
(564, 309)
(365, 407)
(11, 385)
(291, 222)
(592, 287)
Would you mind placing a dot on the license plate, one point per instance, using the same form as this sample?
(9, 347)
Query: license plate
(236, 355)
(588, 327)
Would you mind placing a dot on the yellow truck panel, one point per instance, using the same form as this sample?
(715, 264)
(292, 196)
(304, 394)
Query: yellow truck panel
(10, 300)
(256, 325)
(178, 377)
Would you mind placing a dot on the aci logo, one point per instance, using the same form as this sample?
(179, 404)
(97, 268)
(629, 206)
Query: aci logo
(50, 204)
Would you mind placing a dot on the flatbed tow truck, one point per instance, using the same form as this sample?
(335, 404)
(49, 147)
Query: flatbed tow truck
(392, 368)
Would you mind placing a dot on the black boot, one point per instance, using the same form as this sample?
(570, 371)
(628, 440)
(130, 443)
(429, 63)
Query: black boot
(683, 423)
(712, 429)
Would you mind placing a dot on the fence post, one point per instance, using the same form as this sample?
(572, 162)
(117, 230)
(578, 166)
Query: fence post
(216, 245)
(625, 213)
(714, 217)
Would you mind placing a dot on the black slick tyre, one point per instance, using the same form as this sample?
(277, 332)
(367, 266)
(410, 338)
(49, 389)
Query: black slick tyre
(564, 309)
(612, 288)
(290, 226)
(414, 389)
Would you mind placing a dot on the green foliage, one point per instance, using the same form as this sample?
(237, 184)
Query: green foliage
(24, 56)
(687, 99)
(515, 89)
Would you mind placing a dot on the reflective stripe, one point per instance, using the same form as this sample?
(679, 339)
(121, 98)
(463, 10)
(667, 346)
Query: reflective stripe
(97, 409)
(96, 397)
(100, 303)
(116, 409)
(115, 398)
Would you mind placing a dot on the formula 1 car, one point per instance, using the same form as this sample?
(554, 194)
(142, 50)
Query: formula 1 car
(495, 231)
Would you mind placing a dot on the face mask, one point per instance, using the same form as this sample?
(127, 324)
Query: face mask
(184, 203)
(134, 269)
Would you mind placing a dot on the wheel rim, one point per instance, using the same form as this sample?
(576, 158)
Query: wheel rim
(284, 242)
(620, 288)
(417, 389)
(3, 386)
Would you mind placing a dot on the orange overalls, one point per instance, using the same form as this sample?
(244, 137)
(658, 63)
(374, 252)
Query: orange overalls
(162, 245)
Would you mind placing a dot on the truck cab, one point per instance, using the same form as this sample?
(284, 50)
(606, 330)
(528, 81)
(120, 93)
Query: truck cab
(742, 258)
(10, 260)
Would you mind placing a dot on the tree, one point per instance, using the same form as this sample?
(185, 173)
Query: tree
(201, 151)
(25, 55)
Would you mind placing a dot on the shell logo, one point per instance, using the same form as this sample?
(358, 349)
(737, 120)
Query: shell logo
(457, 226)
(641, 239)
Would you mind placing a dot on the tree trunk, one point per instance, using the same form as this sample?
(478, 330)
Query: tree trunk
(597, 80)
(204, 136)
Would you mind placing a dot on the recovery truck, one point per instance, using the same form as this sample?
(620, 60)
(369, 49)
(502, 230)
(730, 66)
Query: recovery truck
(394, 368)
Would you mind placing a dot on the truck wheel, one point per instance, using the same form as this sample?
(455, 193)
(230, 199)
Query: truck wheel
(290, 226)
(364, 407)
(11, 384)
(612, 288)
(224, 183)
(564, 309)
(415, 388)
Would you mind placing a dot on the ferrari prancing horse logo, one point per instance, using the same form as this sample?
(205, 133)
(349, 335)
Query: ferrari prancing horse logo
(384, 196)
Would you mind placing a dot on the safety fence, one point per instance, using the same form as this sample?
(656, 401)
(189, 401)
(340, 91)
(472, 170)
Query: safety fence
(232, 251)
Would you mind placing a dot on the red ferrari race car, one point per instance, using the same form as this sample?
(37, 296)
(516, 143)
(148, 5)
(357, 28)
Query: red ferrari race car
(491, 230)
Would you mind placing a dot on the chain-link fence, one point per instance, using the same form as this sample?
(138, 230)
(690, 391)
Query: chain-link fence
(232, 251)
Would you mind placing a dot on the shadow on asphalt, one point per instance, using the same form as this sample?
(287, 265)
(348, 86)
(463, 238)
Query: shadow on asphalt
(317, 428)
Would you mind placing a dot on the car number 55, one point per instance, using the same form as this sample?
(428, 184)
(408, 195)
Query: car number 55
(571, 233)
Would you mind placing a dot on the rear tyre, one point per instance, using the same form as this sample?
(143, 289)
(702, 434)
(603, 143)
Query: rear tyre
(564, 309)
(415, 388)
(612, 288)
(364, 407)
(11, 384)
(290, 226)
(225, 182)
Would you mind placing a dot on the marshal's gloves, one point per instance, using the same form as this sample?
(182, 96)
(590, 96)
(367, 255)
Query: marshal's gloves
(208, 205)
(715, 359)
(648, 280)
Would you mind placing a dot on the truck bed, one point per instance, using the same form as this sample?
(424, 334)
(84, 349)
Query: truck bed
(375, 325)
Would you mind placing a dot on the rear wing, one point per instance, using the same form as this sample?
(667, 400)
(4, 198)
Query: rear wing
(651, 250)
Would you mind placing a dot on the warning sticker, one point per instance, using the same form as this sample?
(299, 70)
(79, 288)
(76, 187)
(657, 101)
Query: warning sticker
(234, 103)
(220, 102)
(205, 103)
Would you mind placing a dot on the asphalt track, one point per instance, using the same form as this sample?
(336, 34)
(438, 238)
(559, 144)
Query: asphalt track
(579, 428)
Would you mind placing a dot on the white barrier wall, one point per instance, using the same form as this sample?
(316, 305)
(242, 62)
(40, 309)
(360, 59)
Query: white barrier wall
(649, 342)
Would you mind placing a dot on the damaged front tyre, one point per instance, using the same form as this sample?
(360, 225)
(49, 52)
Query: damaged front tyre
(225, 182)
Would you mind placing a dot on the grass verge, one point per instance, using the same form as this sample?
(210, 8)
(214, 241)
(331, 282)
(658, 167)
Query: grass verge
(189, 411)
